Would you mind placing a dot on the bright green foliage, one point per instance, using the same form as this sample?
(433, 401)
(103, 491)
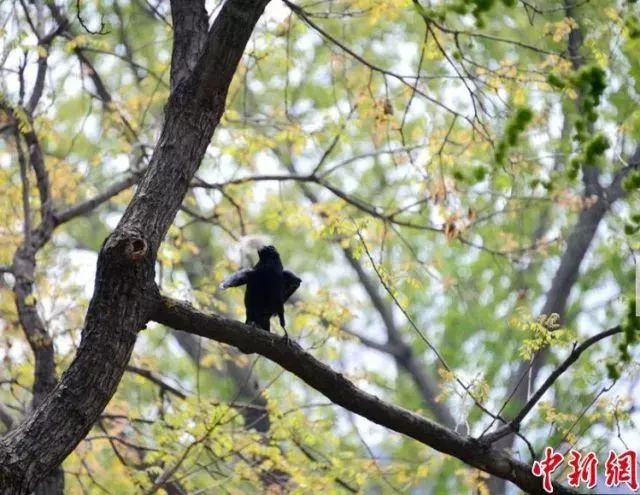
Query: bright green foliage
(631, 333)
(544, 331)
(515, 126)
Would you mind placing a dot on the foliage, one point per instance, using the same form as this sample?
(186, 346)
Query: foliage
(423, 168)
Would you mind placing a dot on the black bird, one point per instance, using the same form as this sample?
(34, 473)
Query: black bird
(269, 285)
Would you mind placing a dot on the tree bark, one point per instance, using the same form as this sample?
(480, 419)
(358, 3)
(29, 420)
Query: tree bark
(125, 292)
(396, 346)
(341, 391)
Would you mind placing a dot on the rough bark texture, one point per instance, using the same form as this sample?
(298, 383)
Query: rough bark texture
(190, 37)
(24, 270)
(125, 291)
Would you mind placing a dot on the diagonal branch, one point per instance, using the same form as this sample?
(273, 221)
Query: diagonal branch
(5, 418)
(514, 424)
(153, 378)
(396, 346)
(343, 392)
(578, 244)
(302, 14)
(90, 204)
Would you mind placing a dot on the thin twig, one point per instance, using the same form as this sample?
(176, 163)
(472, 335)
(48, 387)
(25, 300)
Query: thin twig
(514, 424)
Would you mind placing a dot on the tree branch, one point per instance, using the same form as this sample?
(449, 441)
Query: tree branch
(340, 390)
(6, 418)
(153, 378)
(90, 204)
(124, 293)
(370, 209)
(578, 243)
(514, 424)
(402, 352)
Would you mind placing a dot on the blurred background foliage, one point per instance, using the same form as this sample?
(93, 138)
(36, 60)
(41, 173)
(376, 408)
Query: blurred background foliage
(422, 167)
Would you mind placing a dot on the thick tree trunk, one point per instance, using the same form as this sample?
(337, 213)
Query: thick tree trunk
(125, 291)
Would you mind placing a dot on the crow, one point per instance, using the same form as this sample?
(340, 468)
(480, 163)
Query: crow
(269, 285)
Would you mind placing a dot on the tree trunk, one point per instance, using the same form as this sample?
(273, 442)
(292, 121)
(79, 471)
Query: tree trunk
(125, 292)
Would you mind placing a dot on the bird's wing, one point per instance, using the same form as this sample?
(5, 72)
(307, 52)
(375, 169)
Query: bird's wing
(236, 279)
(291, 284)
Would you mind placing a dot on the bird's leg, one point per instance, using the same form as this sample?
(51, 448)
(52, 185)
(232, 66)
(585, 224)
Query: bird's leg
(282, 324)
(287, 340)
(281, 317)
